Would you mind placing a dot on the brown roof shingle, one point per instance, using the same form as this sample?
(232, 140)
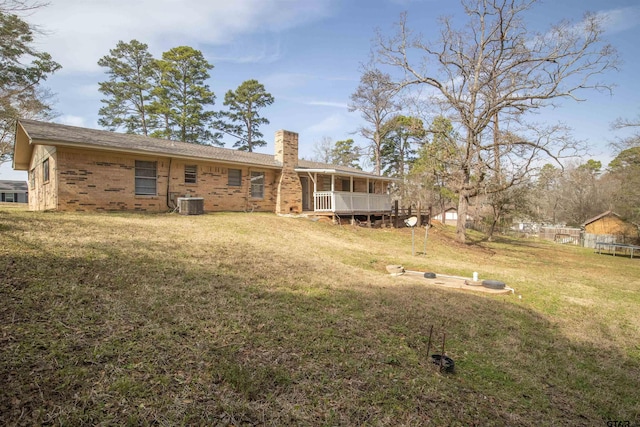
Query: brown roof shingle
(13, 186)
(58, 134)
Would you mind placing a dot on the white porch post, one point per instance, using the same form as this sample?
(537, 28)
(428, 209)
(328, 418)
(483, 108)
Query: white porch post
(314, 179)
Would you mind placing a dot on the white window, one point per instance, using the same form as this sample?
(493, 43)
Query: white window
(190, 174)
(45, 170)
(257, 185)
(235, 178)
(146, 178)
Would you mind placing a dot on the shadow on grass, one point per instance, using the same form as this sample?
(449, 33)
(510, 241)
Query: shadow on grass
(505, 240)
(116, 338)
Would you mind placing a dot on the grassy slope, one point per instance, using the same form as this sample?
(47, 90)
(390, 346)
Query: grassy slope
(253, 319)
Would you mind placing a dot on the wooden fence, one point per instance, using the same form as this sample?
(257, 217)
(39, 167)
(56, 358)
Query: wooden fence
(589, 240)
(563, 235)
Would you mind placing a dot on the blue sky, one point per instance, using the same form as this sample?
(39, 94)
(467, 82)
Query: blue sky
(307, 53)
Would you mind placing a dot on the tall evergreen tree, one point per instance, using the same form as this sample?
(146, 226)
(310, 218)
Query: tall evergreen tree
(431, 175)
(243, 118)
(128, 90)
(346, 153)
(401, 134)
(181, 97)
(22, 70)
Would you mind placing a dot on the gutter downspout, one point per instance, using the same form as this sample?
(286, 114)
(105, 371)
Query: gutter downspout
(169, 185)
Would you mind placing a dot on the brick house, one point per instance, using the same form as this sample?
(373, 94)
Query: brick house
(79, 169)
(13, 192)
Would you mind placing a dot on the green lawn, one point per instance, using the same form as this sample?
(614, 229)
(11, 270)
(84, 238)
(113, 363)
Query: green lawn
(253, 319)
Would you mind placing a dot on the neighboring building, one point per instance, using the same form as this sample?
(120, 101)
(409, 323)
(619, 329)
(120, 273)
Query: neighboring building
(79, 169)
(13, 192)
(609, 227)
(450, 216)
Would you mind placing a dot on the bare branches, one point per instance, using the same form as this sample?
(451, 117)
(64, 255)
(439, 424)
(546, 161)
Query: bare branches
(20, 6)
(374, 99)
(495, 70)
(632, 139)
(622, 123)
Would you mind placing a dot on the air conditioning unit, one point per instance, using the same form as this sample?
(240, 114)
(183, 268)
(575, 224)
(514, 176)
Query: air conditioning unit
(191, 205)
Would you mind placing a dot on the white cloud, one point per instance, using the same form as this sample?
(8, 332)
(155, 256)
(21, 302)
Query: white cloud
(328, 104)
(333, 124)
(250, 55)
(79, 32)
(88, 91)
(71, 120)
(617, 20)
(282, 81)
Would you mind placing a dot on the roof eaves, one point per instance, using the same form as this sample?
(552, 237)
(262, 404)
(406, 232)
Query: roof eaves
(334, 171)
(595, 218)
(70, 136)
(142, 151)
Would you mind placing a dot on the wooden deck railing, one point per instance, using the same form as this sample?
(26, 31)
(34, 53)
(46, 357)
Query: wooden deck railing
(347, 202)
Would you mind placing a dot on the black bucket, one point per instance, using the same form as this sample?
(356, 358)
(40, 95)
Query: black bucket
(448, 364)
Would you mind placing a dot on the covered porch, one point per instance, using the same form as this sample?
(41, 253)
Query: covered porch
(345, 202)
(330, 191)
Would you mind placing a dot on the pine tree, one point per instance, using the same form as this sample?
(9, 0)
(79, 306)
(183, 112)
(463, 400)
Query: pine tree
(346, 153)
(22, 70)
(243, 118)
(181, 96)
(128, 90)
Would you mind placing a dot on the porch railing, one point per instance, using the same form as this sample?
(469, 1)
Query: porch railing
(347, 202)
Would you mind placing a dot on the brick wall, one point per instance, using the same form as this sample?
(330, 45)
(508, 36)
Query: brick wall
(100, 181)
(212, 183)
(289, 190)
(43, 194)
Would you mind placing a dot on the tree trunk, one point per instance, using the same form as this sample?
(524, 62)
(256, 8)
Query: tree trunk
(497, 217)
(461, 224)
(491, 230)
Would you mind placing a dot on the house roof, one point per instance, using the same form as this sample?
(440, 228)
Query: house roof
(602, 215)
(31, 132)
(13, 187)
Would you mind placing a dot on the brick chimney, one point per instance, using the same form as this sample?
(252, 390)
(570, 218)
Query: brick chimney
(289, 198)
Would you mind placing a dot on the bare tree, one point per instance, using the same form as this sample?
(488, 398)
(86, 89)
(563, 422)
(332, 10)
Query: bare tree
(582, 193)
(374, 98)
(18, 6)
(623, 180)
(495, 68)
(322, 150)
(630, 141)
(504, 205)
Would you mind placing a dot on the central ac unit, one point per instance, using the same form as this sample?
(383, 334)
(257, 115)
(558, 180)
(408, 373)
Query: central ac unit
(191, 205)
